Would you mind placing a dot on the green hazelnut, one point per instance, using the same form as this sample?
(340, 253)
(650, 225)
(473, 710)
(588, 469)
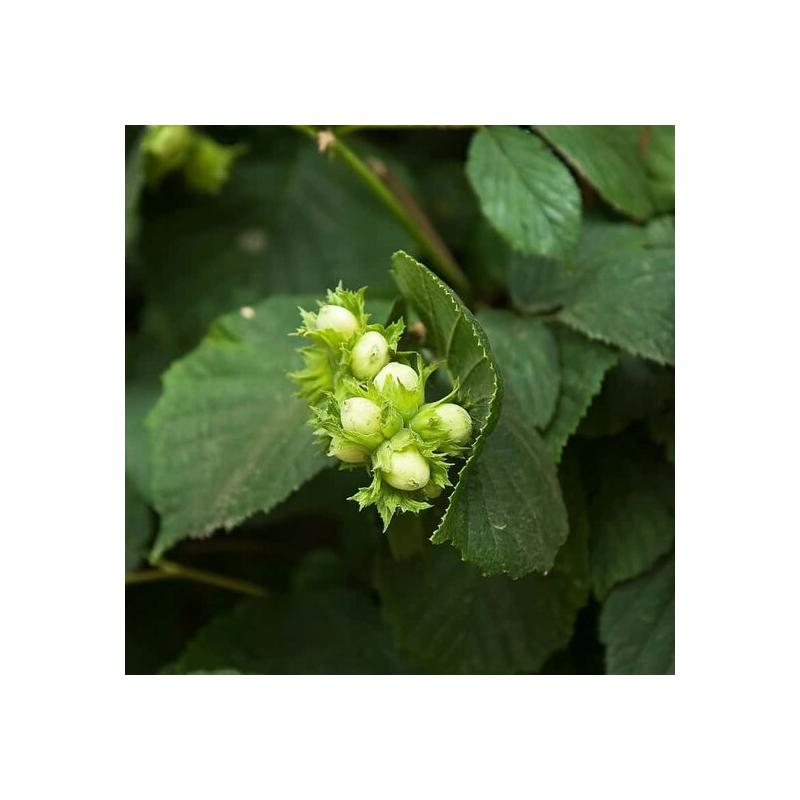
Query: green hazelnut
(338, 319)
(370, 354)
(349, 453)
(361, 416)
(400, 384)
(448, 421)
(407, 469)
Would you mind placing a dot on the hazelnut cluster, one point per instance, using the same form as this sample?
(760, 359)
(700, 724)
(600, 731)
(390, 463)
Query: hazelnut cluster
(368, 406)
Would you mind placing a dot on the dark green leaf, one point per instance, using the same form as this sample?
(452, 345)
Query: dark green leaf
(601, 239)
(637, 624)
(662, 430)
(634, 390)
(628, 300)
(228, 436)
(528, 359)
(297, 224)
(632, 514)
(618, 288)
(512, 469)
(610, 158)
(320, 570)
(456, 621)
(455, 336)
(545, 284)
(661, 232)
(661, 166)
(336, 632)
(506, 514)
(524, 190)
(140, 397)
(539, 285)
(583, 365)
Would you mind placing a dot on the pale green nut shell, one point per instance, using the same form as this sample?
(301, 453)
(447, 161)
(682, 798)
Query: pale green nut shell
(408, 470)
(360, 415)
(404, 375)
(370, 354)
(456, 423)
(447, 422)
(404, 391)
(338, 319)
(349, 453)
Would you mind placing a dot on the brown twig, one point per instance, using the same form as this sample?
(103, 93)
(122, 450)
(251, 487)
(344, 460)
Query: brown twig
(442, 260)
(413, 209)
(644, 141)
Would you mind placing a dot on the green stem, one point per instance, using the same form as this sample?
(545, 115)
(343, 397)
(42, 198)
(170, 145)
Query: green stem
(165, 570)
(145, 576)
(441, 259)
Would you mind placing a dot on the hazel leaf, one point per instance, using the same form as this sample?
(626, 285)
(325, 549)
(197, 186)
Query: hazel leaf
(506, 513)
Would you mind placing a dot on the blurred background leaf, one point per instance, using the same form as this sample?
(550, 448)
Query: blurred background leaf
(291, 223)
(332, 632)
(454, 620)
(637, 624)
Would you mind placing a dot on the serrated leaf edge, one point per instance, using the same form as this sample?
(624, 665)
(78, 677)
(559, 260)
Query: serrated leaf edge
(577, 326)
(495, 402)
(558, 452)
(573, 163)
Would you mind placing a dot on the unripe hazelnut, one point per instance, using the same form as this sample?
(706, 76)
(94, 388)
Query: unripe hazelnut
(404, 391)
(456, 422)
(370, 354)
(349, 453)
(448, 421)
(404, 375)
(338, 319)
(408, 469)
(361, 416)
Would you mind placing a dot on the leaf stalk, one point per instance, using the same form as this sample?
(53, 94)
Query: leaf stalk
(164, 570)
(406, 211)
